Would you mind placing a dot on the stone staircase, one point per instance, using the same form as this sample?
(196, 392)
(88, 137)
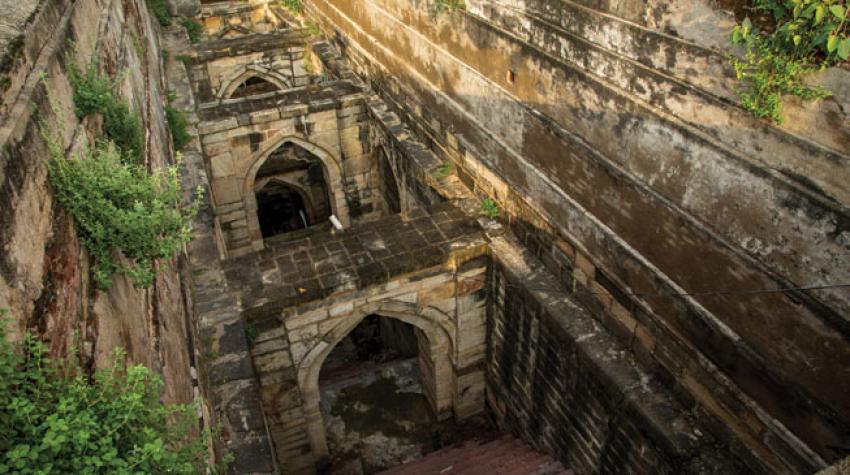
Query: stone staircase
(502, 456)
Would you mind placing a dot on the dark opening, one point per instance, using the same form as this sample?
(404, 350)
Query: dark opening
(374, 341)
(253, 85)
(389, 187)
(296, 195)
(372, 398)
(280, 209)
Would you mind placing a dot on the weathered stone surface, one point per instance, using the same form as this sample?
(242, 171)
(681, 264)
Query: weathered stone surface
(594, 109)
(569, 387)
(187, 8)
(45, 271)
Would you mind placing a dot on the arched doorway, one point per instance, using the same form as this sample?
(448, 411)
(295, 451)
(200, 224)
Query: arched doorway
(374, 407)
(290, 191)
(280, 209)
(310, 169)
(434, 364)
(253, 85)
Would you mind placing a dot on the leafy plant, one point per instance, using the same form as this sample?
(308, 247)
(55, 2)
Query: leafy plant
(251, 333)
(448, 6)
(809, 35)
(313, 28)
(92, 90)
(443, 171)
(489, 208)
(121, 207)
(809, 27)
(54, 420)
(177, 124)
(294, 6)
(209, 354)
(93, 93)
(193, 28)
(159, 9)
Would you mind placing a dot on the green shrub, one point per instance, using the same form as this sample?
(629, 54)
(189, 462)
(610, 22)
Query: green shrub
(313, 28)
(93, 93)
(53, 420)
(123, 207)
(193, 29)
(124, 128)
(159, 9)
(808, 35)
(489, 208)
(92, 90)
(448, 6)
(294, 6)
(443, 171)
(177, 124)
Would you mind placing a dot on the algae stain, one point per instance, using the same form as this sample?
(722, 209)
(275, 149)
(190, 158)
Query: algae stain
(380, 407)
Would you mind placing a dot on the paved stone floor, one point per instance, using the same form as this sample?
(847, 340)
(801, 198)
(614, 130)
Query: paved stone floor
(290, 272)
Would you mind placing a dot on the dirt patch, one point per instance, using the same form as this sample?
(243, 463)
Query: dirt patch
(382, 419)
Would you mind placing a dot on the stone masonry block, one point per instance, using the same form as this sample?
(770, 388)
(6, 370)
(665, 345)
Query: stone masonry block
(306, 318)
(222, 165)
(439, 292)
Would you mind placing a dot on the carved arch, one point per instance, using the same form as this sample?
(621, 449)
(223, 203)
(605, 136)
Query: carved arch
(430, 321)
(242, 74)
(331, 169)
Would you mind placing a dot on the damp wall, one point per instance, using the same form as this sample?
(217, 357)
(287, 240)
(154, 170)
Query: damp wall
(45, 272)
(609, 134)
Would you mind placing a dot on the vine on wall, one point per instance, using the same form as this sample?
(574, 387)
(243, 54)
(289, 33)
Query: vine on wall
(806, 36)
(117, 204)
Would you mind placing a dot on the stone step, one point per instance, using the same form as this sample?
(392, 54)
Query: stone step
(504, 455)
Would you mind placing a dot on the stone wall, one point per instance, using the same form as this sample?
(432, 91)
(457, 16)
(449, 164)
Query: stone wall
(239, 134)
(230, 19)
(562, 382)
(220, 66)
(45, 278)
(619, 158)
(301, 298)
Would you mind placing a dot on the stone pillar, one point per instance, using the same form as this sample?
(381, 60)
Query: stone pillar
(471, 332)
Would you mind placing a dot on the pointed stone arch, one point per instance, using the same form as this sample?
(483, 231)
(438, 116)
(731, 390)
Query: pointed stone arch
(242, 74)
(331, 169)
(433, 324)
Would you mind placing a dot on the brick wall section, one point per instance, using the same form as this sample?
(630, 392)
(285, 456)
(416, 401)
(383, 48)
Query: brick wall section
(221, 64)
(559, 380)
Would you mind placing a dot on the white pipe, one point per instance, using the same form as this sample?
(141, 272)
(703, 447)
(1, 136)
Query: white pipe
(303, 218)
(336, 223)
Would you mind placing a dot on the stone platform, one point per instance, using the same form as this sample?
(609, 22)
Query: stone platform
(290, 273)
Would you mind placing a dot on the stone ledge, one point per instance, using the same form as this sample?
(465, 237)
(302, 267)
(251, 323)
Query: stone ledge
(634, 394)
